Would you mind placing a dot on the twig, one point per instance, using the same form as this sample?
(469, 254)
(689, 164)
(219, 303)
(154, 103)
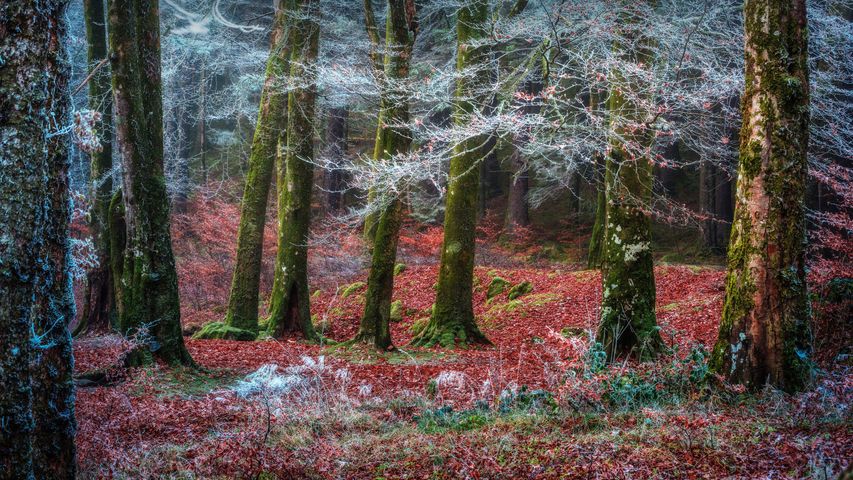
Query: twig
(91, 74)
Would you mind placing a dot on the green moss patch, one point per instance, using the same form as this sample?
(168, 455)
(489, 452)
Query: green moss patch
(522, 288)
(221, 331)
(496, 287)
(352, 288)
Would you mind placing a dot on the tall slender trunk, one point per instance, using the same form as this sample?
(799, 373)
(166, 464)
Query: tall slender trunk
(596, 239)
(453, 315)
(290, 310)
(764, 333)
(628, 325)
(200, 140)
(149, 281)
(395, 138)
(99, 308)
(336, 147)
(272, 121)
(33, 107)
(517, 213)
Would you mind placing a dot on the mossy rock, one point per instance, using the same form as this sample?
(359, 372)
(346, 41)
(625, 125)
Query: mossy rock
(352, 288)
(396, 311)
(221, 331)
(399, 268)
(496, 287)
(522, 288)
(419, 326)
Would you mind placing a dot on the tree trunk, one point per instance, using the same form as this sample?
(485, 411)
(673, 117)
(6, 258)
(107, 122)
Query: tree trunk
(290, 310)
(272, 117)
(29, 78)
(201, 141)
(596, 239)
(336, 147)
(51, 363)
(764, 333)
(517, 213)
(395, 138)
(149, 283)
(99, 308)
(628, 324)
(453, 315)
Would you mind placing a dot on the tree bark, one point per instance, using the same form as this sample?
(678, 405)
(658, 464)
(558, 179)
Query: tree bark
(517, 213)
(272, 121)
(99, 308)
(290, 309)
(32, 74)
(394, 138)
(52, 363)
(764, 333)
(336, 147)
(149, 281)
(453, 315)
(628, 324)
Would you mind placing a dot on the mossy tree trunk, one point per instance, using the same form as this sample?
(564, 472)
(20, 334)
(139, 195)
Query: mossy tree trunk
(596, 239)
(149, 284)
(764, 333)
(98, 313)
(34, 283)
(290, 309)
(628, 324)
(453, 315)
(394, 138)
(272, 121)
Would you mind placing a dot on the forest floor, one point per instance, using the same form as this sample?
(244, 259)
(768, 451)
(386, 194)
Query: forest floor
(538, 403)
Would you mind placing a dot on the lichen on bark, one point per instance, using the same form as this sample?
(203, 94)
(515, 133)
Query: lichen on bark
(764, 333)
(628, 326)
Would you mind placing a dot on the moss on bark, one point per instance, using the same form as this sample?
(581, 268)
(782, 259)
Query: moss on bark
(452, 319)
(272, 120)
(764, 333)
(149, 283)
(392, 138)
(99, 313)
(33, 80)
(628, 324)
(290, 309)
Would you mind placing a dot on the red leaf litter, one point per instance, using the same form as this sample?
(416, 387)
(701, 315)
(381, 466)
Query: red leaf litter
(358, 415)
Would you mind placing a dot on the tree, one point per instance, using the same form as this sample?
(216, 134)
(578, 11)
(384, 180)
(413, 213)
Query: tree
(99, 308)
(628, 325)
(290, 309)
(334, 183)
(37, 396)
(149, 284)
(764, 333)
(272, 118)
(393, 138)
(453, 314)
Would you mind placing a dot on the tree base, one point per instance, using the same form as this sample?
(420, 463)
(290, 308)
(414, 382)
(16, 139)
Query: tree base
(449, 334)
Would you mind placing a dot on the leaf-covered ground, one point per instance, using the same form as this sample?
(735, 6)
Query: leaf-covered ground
(538, 404)
(535, 405)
